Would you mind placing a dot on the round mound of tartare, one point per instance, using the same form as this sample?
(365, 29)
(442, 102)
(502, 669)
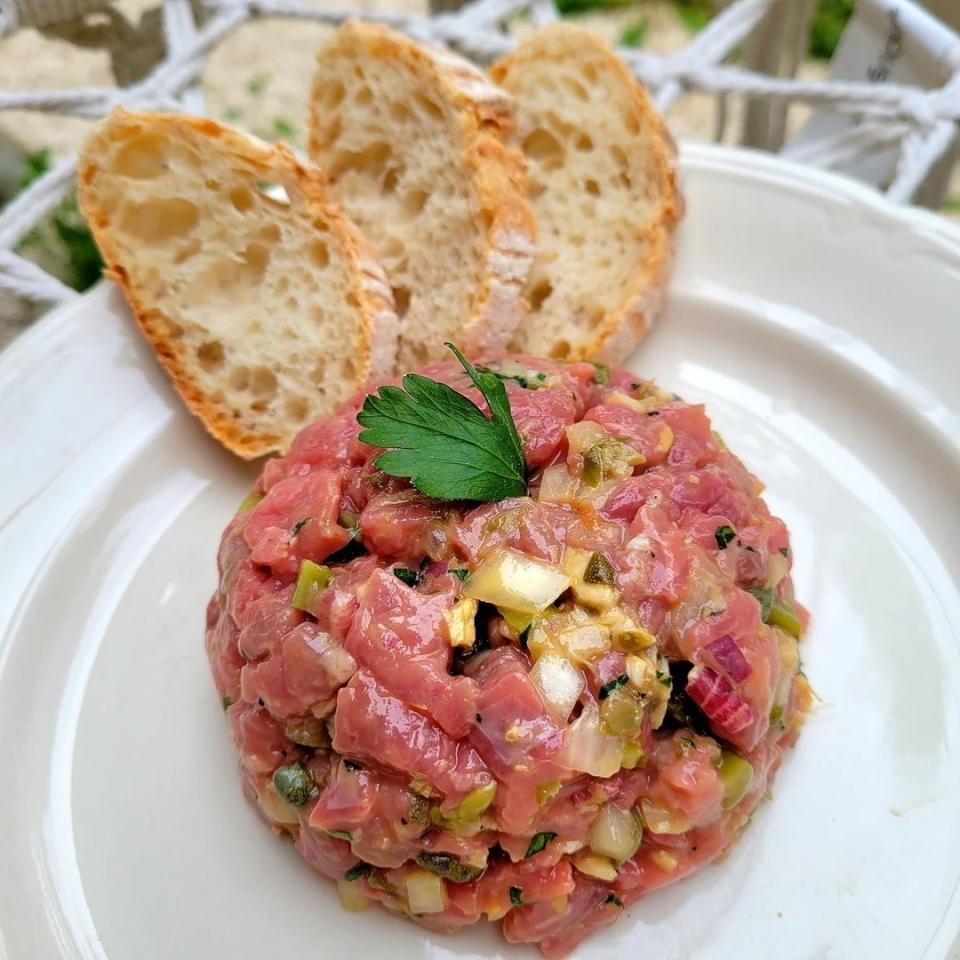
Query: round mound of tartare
(537, 709)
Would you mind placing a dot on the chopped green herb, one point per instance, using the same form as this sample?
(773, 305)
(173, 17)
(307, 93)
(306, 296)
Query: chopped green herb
(516, 896)
(410, 577)
(351, 765)
(284, 128)
(784, 552)
(256, 85)
(612, 685)
(723, 535)
(294, 783)
(299, 525)
(311, 579)
(664, 678)
(442, 441)
(614, 901)
(357, 871)
(225, 702)
(685, 746)
(634, 34)
(601, 371)
(539, 843)
(599, 570)
(461, 573)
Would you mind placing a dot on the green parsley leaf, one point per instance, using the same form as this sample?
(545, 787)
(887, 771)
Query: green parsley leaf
(442, 441)
(357, 871)
(225, 702)
(614, 900)
(461, 573)
(723, 535)
(410, 577)
(784, 552)
(516, 896)
(539, 842)
(350, 766)
(612, 685)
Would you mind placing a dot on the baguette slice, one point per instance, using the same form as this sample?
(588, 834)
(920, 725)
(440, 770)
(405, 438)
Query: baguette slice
(411, 140)
(600, 170)
(267, 311)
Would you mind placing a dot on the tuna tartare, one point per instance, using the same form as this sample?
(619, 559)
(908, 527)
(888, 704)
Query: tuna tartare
(537, 709)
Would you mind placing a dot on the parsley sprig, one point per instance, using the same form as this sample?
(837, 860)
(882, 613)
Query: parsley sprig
(442, 441)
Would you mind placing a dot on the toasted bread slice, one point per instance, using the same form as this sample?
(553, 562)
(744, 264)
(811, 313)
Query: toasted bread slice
(410, 138)
(260, 299)
(600, 170)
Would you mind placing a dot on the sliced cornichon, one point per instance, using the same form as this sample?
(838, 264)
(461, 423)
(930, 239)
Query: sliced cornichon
(599, 570)
(448, 866)
(294, 783)
(311, 579)
(247, 504)
(777, 612)
(538, 843)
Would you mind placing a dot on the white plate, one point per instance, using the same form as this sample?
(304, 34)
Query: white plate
(820, 326)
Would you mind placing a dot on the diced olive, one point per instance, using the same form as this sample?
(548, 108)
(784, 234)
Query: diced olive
(449, 867)
(621, 713)
(736, 775)
(294, 783)
(599, 570)
(783, 615)
(311, 579)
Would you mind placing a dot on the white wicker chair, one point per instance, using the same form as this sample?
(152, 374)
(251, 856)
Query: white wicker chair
(887, 113)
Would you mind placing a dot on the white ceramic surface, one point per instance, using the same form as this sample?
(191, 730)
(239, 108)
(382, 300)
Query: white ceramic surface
(821, 327)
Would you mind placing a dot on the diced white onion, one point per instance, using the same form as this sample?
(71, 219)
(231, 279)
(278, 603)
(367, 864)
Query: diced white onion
(351, 896)
(585, 643)
(658, 819)
(594, 866)
(426, 892)
(517, 582)
(616, 833)
(588, 749)
(560, 684)
(557, 485)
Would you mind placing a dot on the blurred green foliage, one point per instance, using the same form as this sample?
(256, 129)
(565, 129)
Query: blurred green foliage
(829, 19)
(634, 34)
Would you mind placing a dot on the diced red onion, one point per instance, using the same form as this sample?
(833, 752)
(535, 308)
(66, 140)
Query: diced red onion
(726, 655)
(727, 710)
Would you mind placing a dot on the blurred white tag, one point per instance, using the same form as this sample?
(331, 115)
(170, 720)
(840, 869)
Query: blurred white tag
(889, 41)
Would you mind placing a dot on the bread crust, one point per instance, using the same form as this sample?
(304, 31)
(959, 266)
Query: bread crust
(375, 339)
(497, 172)
(625, 326)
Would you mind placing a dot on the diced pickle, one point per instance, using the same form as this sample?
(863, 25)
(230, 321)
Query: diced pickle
(599, 570)
(247, 504)
(621, 713)
(736, 775)
(515, 620)
(449, 867)
(547, 791)
(475, 804)
(311, 579)
(784, 616)
(419, 811)
(294, 783)
(633, 755)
